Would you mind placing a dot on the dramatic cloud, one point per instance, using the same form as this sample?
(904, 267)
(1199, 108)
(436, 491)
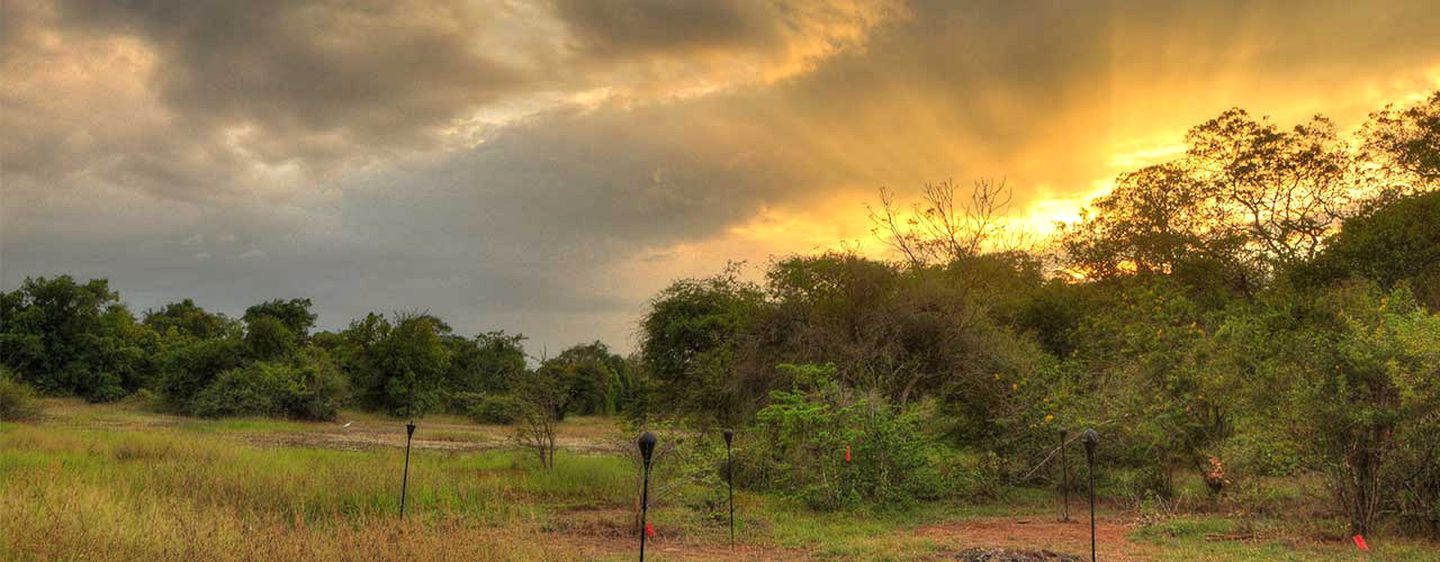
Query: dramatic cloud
(677, 47)
(545, 166)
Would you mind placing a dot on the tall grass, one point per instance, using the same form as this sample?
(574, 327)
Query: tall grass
(173, 495)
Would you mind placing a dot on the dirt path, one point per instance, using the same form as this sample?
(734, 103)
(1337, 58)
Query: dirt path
(361, 439)
(441, 433)
(366, 435)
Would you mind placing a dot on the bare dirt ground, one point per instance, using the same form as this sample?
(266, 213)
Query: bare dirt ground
(665, 549)
(606, 533)
(1042, 533)
(600, 537)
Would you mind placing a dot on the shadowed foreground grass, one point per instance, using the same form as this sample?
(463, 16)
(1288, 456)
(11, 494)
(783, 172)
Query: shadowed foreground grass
(107, 483)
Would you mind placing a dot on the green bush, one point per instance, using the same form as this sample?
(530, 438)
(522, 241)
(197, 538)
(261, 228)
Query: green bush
(253, 390)
(309, 388)
(495, 409)
(1261, 452)
(688, 466)
(319, 390)
(190, 365)
(805, 433)
(17, 401)
(968, 476)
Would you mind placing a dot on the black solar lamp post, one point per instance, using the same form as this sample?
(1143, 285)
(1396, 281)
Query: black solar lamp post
(1091, 440)
(647, 452)
(405, 479)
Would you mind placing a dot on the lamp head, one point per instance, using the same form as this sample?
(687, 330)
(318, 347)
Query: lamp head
(410, 429)
(1091, 439)
(647, 446)
(729, 437)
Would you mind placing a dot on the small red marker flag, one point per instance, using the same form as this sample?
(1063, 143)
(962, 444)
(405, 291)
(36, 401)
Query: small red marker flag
(649, 530)
(847, 453)
(1360, 542)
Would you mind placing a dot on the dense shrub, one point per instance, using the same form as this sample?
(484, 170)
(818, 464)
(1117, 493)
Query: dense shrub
(1352, 375)
(495, 409)
(308, 388)
(17, 400)
(189, 365)
(688, 466)
(804, 435)
(319, 390)
(969, 476)
(253, 390)
(1264, 451)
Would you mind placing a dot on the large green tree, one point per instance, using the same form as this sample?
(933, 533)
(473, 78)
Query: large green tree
(397, 364)
(1398, 242)
(66, 337)
(592, 379)
(185, 318)
(488, 363)
(689, 340)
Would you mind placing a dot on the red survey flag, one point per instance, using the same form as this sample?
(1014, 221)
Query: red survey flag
(847, 453)
(1360, 542)
(649, 530)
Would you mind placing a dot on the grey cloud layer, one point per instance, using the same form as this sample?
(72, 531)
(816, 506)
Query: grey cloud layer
(497, 163)
(618, 28)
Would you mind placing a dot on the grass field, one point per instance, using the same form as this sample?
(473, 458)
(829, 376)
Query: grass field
(115, 482)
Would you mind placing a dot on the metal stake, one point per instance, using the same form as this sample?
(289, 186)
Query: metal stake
(405, 480)
(647, 448)
(1091, 440)
(730, 480)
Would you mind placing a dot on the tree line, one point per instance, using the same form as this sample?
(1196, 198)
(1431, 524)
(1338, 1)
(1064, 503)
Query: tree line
(64, 337)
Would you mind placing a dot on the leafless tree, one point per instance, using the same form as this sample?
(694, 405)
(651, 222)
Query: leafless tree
(945, 226)
(537, 417)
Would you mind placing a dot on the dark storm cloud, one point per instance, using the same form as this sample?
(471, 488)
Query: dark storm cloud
(545, 167)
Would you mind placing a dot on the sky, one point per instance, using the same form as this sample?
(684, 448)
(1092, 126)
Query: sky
(546, 166)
